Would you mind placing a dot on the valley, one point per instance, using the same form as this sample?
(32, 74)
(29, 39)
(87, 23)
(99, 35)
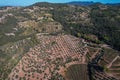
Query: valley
(47, 41)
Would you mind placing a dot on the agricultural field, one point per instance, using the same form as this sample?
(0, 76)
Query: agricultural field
(77, 71)
(11, 53)
(50, 58)
(114, 69)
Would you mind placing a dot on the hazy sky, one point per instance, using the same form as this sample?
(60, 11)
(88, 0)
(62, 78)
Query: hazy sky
(28, 2)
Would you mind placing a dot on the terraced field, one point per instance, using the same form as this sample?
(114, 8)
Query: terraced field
(92, 53)
(11, 53)
(102, 76)
(110, 61)
(115, 68)
(108, 57)
(49, 59)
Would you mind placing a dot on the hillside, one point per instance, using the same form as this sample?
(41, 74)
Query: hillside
(80, 3)
(47, 41)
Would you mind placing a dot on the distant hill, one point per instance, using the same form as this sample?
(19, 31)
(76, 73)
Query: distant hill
(113, 4)
(81, 3)
(87, 3)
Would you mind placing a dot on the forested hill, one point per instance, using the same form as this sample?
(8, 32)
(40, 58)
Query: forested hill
(98, 20)
(102, 21)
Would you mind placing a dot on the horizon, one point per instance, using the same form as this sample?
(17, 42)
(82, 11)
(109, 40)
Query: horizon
(30, 2)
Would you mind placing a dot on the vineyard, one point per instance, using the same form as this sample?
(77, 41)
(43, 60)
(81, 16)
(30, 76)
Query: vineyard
(77, 72)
